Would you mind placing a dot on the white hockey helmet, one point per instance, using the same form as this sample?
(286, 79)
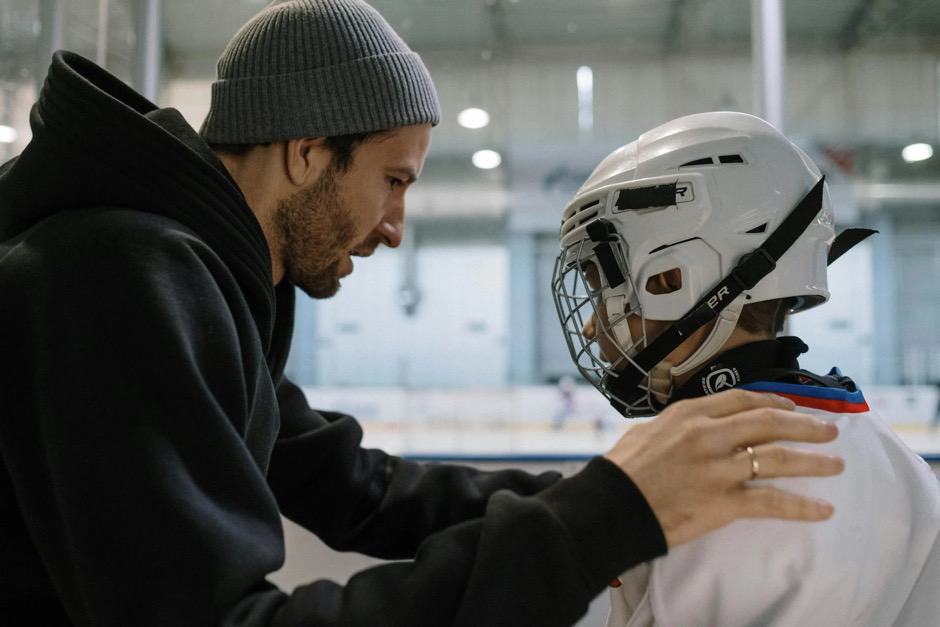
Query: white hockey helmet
(702, 194)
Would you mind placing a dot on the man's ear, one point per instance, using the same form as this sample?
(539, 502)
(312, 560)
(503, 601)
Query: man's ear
(665, 282)
(305, 159)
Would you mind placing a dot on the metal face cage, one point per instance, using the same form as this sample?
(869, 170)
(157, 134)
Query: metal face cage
(594, 318)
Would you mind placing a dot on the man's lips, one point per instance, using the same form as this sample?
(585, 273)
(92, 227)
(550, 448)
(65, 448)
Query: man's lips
(358, 252)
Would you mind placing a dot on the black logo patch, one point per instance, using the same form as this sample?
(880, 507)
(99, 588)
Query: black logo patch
(720, 379)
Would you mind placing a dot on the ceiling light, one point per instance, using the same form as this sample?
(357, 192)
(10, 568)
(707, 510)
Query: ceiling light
(7, 134)
(473, 118)
(585, 81)
(917, 152)
(486, 159)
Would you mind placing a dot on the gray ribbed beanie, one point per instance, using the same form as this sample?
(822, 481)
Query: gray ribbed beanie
(317, 68)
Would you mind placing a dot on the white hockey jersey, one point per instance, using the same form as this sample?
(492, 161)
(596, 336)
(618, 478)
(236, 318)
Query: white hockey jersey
(875, 562)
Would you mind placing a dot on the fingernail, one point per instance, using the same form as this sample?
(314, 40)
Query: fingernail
(824, 509)
(838, 460)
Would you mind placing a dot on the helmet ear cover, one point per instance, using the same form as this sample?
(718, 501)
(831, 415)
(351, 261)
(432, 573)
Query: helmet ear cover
(750, 269)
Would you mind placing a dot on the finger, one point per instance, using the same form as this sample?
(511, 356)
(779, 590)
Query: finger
(759, 426)
(773, 503)
(732, 402)
(770, 461)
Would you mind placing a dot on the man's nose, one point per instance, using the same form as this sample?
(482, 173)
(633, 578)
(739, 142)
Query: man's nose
(589, 330)
(391, 229)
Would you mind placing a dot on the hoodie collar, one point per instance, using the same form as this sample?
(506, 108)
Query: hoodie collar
(96, 142)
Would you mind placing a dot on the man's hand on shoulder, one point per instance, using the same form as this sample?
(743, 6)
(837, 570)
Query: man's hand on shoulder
(693, 462)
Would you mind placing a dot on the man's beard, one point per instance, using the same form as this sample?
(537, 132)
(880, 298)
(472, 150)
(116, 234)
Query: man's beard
(316, 232)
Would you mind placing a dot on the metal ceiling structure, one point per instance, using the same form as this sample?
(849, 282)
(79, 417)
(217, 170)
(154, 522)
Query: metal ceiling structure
(658, 27)
(480, 32)
(479, 35)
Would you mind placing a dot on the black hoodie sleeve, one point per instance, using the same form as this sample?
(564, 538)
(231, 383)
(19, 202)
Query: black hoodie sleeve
(526, 561)
(365, 500)
(140, 418)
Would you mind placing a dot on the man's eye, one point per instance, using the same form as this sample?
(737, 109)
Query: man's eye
(395, 182)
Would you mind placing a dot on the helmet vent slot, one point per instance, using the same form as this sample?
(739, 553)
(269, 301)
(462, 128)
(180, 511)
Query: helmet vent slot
(759, 229)
(586, 217)
(665, 246)
(584, 213)
(719, 160)
(705, 161)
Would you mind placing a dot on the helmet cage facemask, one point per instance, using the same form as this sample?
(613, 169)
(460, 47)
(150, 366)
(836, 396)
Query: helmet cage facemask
(611, 350)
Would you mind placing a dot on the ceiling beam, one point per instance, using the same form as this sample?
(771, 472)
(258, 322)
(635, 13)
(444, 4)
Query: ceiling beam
(672, 38)
(873, 18)
(497, 38)
(851, 31)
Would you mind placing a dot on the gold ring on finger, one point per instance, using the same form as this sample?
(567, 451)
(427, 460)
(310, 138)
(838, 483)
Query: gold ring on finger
(755, 465)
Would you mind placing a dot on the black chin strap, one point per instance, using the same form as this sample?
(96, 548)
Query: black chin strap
(752, 267)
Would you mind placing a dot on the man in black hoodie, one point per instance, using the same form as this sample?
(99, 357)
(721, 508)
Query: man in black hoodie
(149, 441)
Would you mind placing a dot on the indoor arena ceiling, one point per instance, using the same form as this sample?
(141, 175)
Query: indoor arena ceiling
(488, 29)
(663, 26)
